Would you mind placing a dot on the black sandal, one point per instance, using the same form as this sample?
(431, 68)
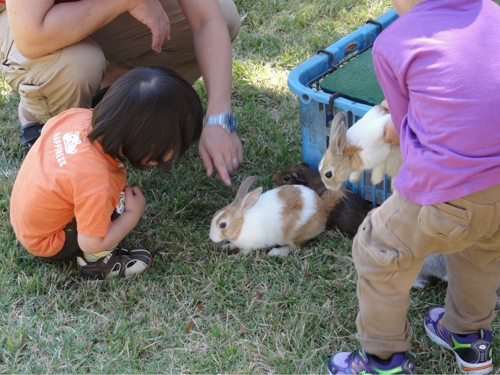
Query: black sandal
(30, 133)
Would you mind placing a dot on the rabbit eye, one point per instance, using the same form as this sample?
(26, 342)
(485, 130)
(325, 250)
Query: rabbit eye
(286, 179)
(222, 225)
(328, 174)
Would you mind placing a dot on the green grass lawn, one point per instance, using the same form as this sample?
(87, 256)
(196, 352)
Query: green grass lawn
(200, 309)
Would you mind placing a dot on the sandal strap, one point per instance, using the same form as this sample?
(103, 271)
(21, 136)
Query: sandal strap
(123, 262)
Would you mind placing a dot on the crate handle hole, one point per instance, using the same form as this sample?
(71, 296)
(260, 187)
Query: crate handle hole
(305, 98)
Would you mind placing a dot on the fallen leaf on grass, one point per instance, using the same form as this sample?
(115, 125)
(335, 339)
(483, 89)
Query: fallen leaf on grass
(328, 252)
(243, 330)
(190, 326)
(200, 307)
(327, 303)
(259, 295)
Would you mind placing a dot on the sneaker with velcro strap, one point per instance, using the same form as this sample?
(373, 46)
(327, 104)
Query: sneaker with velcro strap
(119, 262)
(472, 351)
(360, 362)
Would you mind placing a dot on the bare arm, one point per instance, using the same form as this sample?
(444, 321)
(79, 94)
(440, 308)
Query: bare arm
(214, 54)
(47, 27)
(120, 227)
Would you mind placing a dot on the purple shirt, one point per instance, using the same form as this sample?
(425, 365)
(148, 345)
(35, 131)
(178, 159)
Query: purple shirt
(439, 68)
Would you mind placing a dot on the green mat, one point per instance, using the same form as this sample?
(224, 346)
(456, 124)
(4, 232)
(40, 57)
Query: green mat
(355, 80)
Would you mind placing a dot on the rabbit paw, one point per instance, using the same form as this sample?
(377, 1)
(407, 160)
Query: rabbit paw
(355, 176)
(279, 251)
(377, 174)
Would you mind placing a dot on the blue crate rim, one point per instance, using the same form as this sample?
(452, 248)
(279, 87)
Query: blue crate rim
(317, 79)
(333, 67)
(297, 84)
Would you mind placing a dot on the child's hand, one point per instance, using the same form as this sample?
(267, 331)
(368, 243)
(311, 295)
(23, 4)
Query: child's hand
(390, 135)
(134, 201)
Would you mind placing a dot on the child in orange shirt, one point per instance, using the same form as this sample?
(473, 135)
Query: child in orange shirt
(71, 181)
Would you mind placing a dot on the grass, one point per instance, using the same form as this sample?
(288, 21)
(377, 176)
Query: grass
(199, 309)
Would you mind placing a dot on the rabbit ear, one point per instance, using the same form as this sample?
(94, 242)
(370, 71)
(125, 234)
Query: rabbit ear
(249, 200)
(244, 187)
(338, 133)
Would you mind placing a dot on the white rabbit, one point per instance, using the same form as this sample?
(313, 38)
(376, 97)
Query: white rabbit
(287, 215)
(361, 147)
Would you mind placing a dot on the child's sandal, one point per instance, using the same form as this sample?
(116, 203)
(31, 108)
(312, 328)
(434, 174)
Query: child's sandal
(127, 263)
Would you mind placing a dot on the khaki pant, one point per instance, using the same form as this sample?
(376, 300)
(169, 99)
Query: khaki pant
(388, 253)
(69, 77)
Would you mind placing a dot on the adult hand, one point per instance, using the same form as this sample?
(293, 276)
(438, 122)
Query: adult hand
(220, 150)
(390, 135)
(152, 14)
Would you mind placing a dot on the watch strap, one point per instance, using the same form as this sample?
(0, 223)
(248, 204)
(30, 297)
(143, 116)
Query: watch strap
(225, 120)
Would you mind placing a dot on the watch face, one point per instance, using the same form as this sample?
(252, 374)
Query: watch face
(232, 124)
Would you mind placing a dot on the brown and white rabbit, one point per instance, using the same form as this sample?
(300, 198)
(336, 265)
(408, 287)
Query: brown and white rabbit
(345, 210)
(359, 148)
(288, 215)
(362, 147)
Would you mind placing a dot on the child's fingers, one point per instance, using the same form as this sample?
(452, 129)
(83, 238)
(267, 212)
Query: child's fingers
(136, 192)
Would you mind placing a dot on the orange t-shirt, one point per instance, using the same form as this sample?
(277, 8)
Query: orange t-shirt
(64, 176)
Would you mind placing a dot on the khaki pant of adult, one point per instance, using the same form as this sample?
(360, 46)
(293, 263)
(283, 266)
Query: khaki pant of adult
(69, 77)
(388, 253)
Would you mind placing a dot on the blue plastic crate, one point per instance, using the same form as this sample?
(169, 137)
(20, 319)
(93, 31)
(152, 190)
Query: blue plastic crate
(317, 108)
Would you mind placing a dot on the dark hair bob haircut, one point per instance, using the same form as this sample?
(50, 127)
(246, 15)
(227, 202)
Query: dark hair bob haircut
(146, 114)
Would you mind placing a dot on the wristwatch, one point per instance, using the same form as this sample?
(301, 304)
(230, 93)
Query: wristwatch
(225, 120)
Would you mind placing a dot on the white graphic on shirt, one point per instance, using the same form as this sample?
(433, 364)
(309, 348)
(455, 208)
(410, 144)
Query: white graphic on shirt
(61, 160)
(71, 140)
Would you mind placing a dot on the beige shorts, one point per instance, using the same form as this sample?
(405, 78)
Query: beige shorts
(69, 77)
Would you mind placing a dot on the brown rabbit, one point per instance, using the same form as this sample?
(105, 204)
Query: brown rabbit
(345, 210)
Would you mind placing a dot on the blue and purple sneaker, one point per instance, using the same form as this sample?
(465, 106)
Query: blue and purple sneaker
(360, 362)
(473, 351)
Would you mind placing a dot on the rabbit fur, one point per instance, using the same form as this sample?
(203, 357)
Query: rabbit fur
(361, 147)
(345, 210)
(287, 215)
